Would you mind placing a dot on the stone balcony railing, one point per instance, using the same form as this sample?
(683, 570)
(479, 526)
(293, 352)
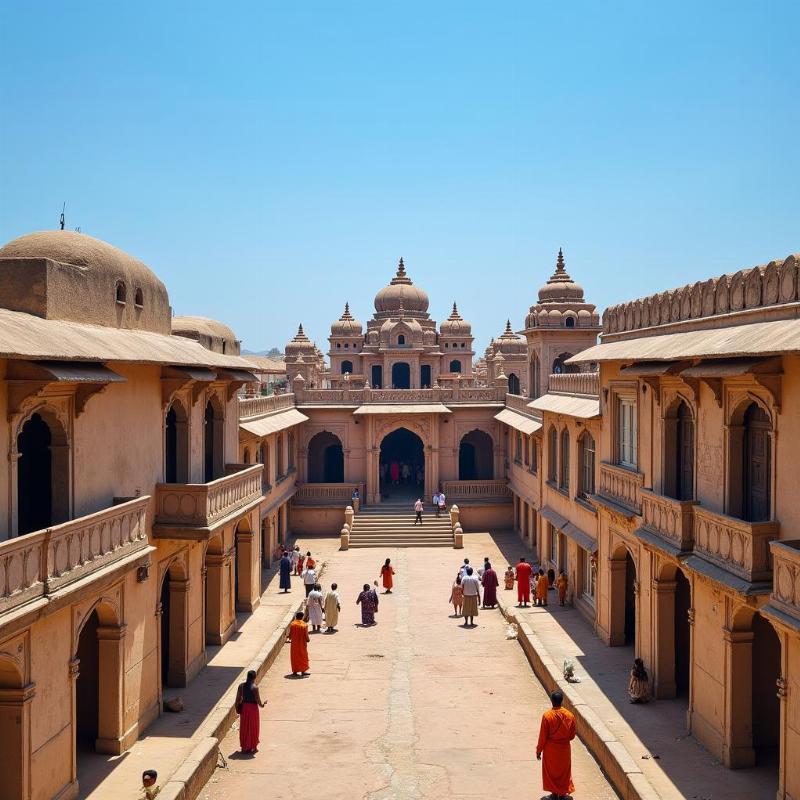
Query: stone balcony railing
(585, 383)
(442, 394)
(672, 520)
(519, 403)
(250, 407)
(786, 576)
(37, 564)
(202, 505)
(318, 494)
(737, 546)
(621, 486)
(475, 490)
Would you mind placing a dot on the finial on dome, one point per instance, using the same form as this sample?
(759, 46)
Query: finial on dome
(560, 268)
(300, 330)
(347, 315)
(401, 269)
(508, 327)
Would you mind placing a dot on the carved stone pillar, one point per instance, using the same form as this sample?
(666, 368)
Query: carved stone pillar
(737, 747)
(247, 563)
(178, 632)
(616, 592)
(111, 677)
(664, 638)
(15, 734)
(215, 608)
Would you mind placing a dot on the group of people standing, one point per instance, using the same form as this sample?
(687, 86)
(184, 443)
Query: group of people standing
(401, 473)
(536, 582)
(465, 593)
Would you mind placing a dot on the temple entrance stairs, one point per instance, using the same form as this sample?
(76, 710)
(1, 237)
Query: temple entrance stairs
(392, 525)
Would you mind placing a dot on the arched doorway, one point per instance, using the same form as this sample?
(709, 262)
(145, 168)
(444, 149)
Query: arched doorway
(560, 364)
(513, 383)
(42, 474)
(682, 631)
(174, 622)
(476, 457)
(425, 376)
(402, 464)
(401, 375)
(630, 599)
(765, 704)
(325, 459)
(622, 575)
(213, 441)
(14, 730)
(757, 464)
(176, 445)
(87, 687)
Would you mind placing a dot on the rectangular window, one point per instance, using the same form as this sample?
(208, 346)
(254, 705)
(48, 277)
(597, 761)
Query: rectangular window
(553, 543)
(588, 575)
(518, 449)
(626, 432)
(527, 450)
(534, 456)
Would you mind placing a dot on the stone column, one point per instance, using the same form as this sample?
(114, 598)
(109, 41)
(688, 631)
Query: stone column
(664, 639)
(111, 677)
(737, 747)
(247, 561)
(215, 612)
(616, 597)
(15, 732)
(178, 665)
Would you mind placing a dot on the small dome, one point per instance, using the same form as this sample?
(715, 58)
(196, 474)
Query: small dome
(202, 325)
(300, 344)
(455, 325)
(560, 288)
(347, 324)
(584, 314)
(401, 295)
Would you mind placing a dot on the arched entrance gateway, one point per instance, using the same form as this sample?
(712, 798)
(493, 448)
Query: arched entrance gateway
(325, 459)
(476, 457)
(402, 465)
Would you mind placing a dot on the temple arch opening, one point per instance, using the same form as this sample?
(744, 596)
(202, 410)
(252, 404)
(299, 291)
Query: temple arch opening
(476, 457)
(402, 464)
(325, 458)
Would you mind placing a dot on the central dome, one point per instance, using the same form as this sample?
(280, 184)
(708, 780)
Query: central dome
(401, 295)
(560, 288)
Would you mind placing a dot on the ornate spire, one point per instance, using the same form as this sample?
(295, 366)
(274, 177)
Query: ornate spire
(401, 276)
(347, 314)
(508, 333)
(560, 268)
(300, 336)
(454, 315)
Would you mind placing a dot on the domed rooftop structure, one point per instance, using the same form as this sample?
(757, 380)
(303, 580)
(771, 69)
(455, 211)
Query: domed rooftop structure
(210, 333)
(347, 324)
(560, 288)
(401, 295)
(455, 325)
(71, 276)
(301, 345)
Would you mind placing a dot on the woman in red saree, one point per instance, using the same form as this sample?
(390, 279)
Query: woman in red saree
(298, 636)
(248, 701)
(490, 584)
(387, 570)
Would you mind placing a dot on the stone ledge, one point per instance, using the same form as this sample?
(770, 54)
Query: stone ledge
(615, 760)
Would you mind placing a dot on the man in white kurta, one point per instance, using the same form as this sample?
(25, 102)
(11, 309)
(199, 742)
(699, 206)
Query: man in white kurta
(314, 605)
(332, 607)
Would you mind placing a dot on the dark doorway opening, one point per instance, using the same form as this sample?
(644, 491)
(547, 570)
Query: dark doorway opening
(166, 626)
(756, 464)
(683, 602)
(325, 459)
(425, 376)
(376, 376)
(34, 476)
(455, 366)
(401, 375)
(402, 463)
(476, 457)
(513, 383)
(630, 600)
(87, 688)
(766, 706)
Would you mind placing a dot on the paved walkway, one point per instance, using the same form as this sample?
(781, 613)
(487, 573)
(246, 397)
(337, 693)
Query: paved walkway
(416, 707)
(172, 737)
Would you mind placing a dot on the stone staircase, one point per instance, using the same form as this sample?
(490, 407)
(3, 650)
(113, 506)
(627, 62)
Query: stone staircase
(392, 525)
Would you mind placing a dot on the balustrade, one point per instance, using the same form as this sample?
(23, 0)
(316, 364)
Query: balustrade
(786, 576)
(476, 490)
(586, 383)
(672, 520)
(327, 493)
(440, 394)
(37, 564)
(737, 546)
(250, 407)
(621, 486)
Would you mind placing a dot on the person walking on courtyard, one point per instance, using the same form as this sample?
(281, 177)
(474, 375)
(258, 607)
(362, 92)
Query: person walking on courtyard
(296, 560)
(555, 734)
(435, 501)
(562, 583)
(248, 701)
(442, 503)
(332, 608)
(368, 600)
(394, 472)
(463, 569)
(483, 568)
(418, 507)
(523, 582)
(490, 584)
(472, 597)
(314, 606)
(457, 596)
(298, 636)
(509, 578)
(310, 563)
(639, 684)
(309, 579)
(286, 573)
(387, 571)
(542, 585)
(301, 562)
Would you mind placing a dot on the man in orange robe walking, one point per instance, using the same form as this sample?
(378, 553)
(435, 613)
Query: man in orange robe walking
(555, 734)
(523, 582)
(298, 636)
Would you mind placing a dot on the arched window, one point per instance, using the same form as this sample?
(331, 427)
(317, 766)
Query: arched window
(325, 459)
(176, 445)
(518, 448)
(513, 383)
(552, 455)
(401, 339)
(560, 365)
(347, 366)
(455, 366)
(586, 457)
(121, 292)
(563, 482)
(534, 467)
(280, 472)
(42, 474)
(425, 376)
(138, 299)
(756, 477)
(535, 372)
(213, 440)
(569, 322)
(290, 448)
(246, 456)
(265, 461)
(679, 452)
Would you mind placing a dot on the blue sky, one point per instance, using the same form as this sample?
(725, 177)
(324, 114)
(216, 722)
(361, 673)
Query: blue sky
(271, 160)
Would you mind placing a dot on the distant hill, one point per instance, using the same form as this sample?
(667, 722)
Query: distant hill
(273, 352)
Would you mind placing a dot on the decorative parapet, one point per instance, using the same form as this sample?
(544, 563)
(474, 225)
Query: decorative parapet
(621, 486)
(323, 494)
(583, 383)
(740, 547)
(786, 577)
(672, 520)
(38, 564)
(202, 505)
(443, 394)
(476, 490)
(771, 285)
(251, 407)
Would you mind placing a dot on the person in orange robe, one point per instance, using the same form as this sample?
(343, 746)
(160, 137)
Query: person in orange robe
(555, 734)
(298, 636)
(523, 582)
(387, 570)
(542, 585)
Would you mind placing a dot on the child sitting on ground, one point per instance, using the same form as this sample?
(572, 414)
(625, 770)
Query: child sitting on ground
(149, 778)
